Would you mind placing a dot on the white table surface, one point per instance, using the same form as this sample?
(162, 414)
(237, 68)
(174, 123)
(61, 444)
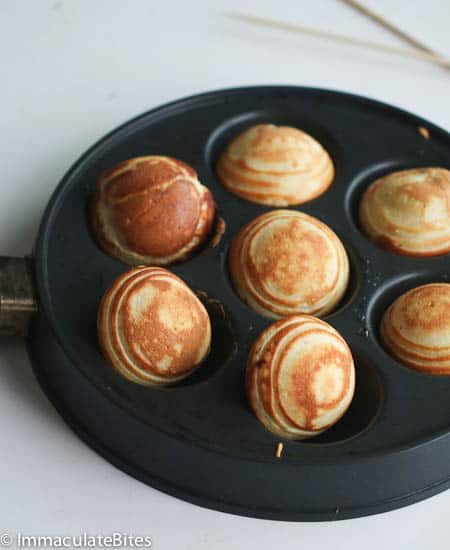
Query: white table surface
(71, 71)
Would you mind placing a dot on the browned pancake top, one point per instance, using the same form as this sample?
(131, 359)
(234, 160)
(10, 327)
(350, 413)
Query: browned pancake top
(320, 363)
(423, 310)
(163, 326)
(291, 256)
(277, 147)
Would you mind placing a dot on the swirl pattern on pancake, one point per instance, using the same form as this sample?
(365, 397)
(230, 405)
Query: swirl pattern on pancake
(408, 212)
(300, 377)
(151, 210)
(286, 262)
(415, 329)
(275, 165)
(152, 328)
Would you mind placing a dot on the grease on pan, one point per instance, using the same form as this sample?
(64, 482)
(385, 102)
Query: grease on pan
(151, 210)
(408, 212)
(415, 329)
(275, 165)
(286, 262)
(300, 377)
(152, 328)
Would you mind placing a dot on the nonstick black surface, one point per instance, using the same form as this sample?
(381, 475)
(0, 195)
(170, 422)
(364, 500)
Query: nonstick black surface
(199, 440)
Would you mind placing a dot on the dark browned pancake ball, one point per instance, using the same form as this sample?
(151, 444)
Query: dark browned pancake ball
(151, 210)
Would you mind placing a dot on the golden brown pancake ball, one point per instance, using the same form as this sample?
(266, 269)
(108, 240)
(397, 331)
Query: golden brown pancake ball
(151, 210)
(408, 212)
(275, 165)
(300, 377)
(286, 262)
(415, 329)
(152, 328)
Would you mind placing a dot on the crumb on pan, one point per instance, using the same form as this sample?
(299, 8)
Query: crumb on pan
(220, 230)
(424, 132)
(279, 450)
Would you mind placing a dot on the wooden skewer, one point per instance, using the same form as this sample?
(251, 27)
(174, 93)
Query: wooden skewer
(389, 26)
(279, 450)
(290, 27)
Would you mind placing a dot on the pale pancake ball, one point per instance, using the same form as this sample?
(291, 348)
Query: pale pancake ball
(286, 262)
(152, 328)
(275, 165)
(415, 328)
(408, 212)
(300, 377)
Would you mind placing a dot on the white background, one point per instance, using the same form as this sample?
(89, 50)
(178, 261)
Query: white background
(71, 71)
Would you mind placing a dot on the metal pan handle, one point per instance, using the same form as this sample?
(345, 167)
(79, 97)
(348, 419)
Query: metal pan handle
(17, 297)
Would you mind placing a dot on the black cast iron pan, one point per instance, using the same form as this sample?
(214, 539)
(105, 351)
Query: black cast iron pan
(199, 440)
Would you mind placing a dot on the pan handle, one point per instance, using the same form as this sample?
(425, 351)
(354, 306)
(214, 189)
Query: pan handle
(17, 298)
